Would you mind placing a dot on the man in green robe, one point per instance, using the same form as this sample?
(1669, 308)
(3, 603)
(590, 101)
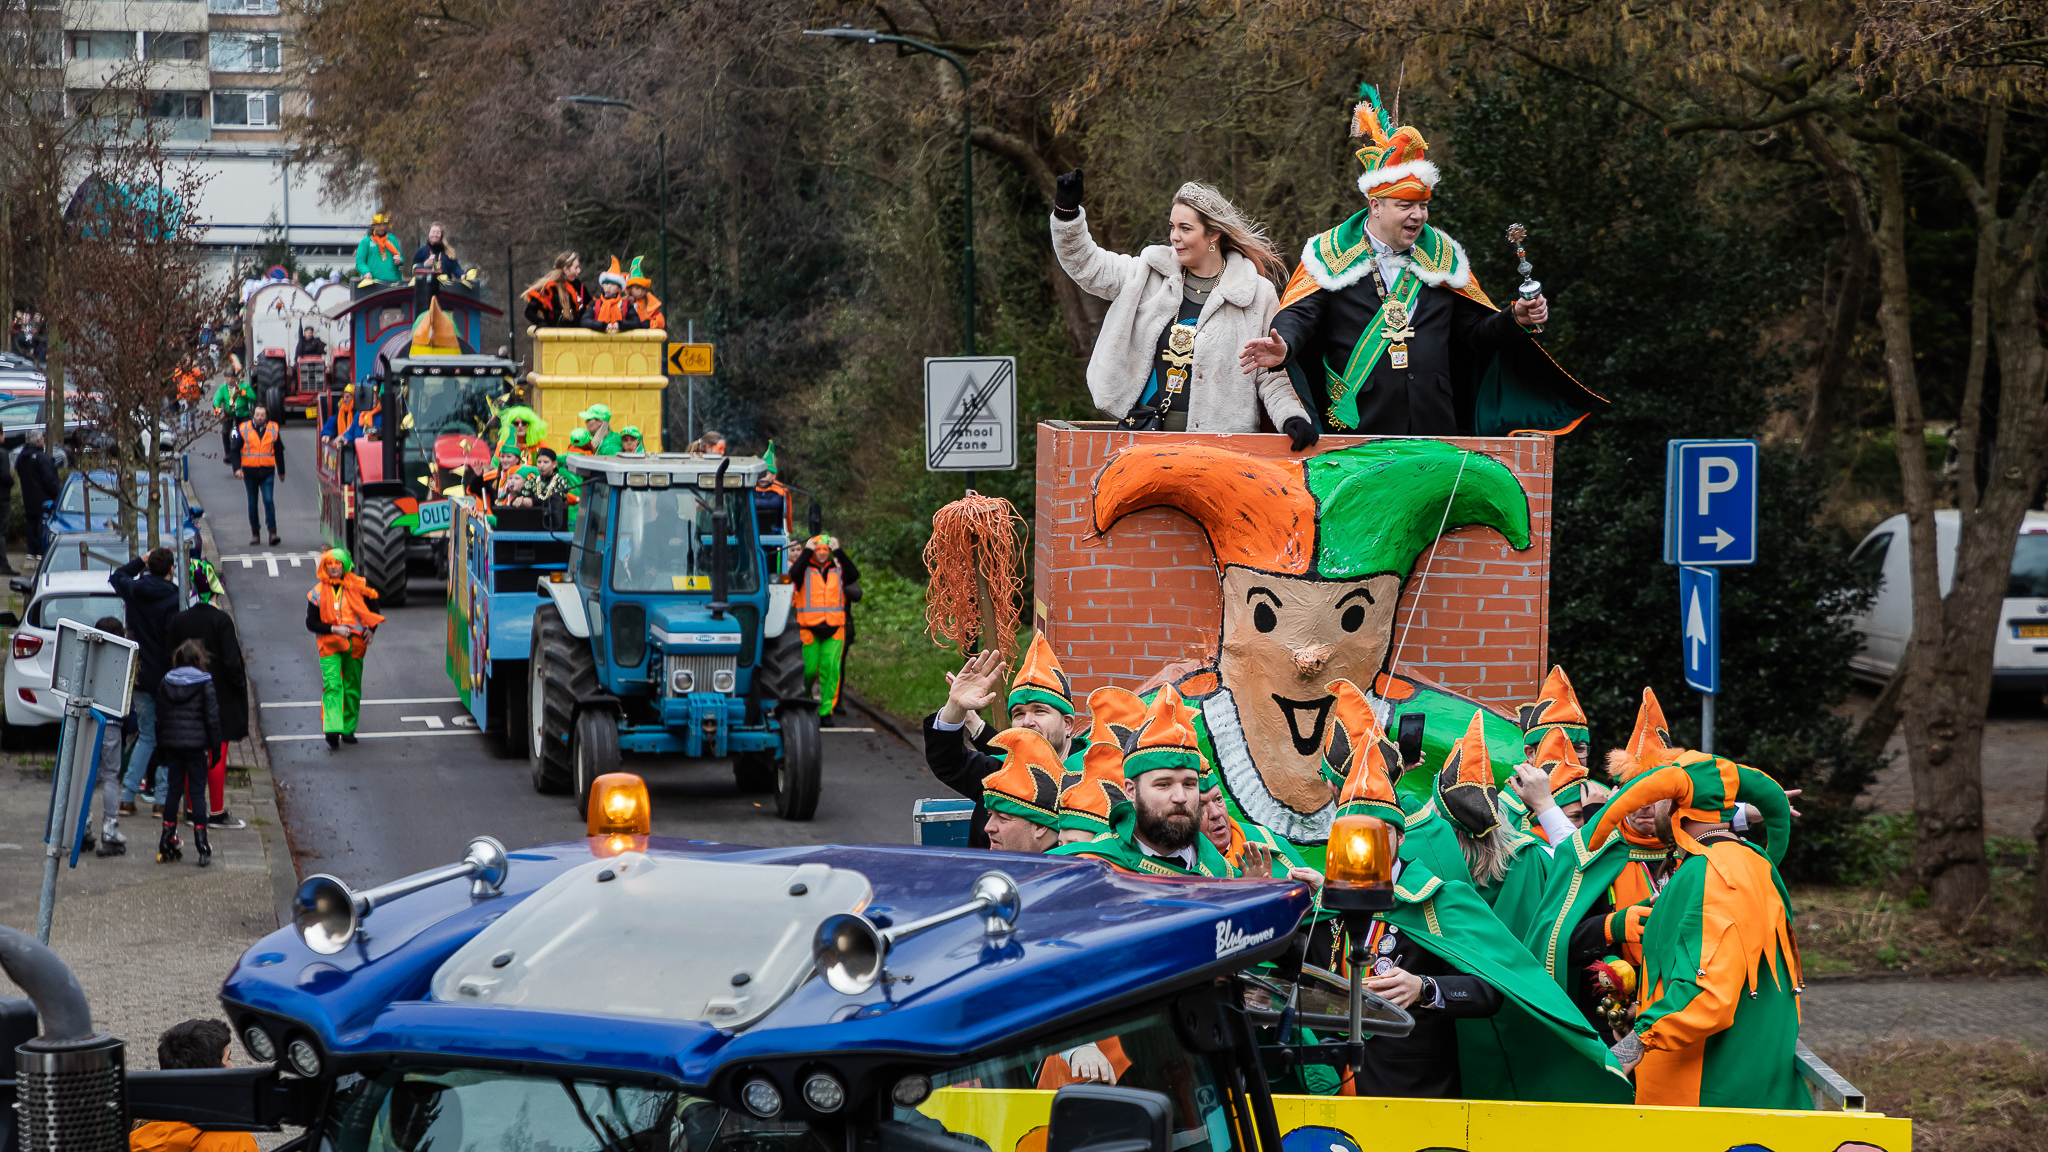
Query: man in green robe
(377, 254)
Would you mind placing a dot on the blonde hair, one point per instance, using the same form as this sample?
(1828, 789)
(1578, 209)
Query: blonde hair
(556, 275)
(1240, 233)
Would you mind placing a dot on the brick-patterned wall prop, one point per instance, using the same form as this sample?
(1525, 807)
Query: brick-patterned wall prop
(1474, 616)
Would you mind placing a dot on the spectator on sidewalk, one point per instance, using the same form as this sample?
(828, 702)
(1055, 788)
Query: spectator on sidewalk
(111, 842)
(39, 485)
(259, 464)
(193, 1044)
(188, 731)
(215, 630)
(152, 601)
(6, 520)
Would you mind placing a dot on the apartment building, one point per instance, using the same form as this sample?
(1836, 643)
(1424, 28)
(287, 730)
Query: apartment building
(215, 72)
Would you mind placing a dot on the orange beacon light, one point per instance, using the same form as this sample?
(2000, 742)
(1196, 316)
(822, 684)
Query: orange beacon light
(620, 816)
(1359, 866)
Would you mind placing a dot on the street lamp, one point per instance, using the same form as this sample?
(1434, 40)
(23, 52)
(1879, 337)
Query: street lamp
(871, 36)
(661, 159)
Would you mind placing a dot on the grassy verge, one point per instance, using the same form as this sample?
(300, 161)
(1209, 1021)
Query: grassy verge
(893, 664)
(1882, 924)
(1988, 1097)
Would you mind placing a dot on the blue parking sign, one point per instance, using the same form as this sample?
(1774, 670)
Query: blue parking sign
(1710, 492)
(1699, 627)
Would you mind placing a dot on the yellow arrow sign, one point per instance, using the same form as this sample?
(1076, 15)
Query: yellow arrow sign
(689, 359)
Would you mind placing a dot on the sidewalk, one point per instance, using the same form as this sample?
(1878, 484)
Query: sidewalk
(1853, 1014)
(151, 943)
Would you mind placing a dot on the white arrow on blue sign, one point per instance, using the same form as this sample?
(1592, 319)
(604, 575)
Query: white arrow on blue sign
(1710, 493)
(1699, 616)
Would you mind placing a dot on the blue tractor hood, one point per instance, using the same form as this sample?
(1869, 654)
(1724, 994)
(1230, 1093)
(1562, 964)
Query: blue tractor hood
(687, 628)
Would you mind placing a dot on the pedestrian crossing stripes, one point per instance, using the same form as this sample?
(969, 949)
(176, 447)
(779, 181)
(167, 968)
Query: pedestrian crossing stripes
(269, 560)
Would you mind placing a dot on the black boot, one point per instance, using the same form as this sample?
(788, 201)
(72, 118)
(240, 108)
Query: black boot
(200, 842)
(334, 739)
(167, 851)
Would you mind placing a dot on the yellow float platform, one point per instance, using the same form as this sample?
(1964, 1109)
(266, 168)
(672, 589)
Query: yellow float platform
(578, 368)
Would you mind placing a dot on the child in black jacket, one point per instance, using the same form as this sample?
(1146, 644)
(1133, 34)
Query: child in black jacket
(187, 729)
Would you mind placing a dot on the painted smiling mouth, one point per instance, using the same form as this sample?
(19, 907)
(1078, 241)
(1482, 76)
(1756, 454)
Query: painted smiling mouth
(1312, 743)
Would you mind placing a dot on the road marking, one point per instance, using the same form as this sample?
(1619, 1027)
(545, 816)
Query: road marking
(382, 735)
(249, 560)
(846, 729)
(407, 700)
(434, 722)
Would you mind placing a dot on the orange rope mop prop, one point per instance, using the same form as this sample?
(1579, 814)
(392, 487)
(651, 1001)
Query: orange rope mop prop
(977, 583)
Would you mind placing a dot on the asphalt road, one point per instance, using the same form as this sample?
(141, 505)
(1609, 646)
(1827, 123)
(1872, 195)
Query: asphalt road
(422, 781)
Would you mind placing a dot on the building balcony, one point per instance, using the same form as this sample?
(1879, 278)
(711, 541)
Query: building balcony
(116, 16)
(183, 75)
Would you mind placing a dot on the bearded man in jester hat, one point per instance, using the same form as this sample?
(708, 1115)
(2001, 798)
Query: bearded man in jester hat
(1312, 554)
(1386, 331)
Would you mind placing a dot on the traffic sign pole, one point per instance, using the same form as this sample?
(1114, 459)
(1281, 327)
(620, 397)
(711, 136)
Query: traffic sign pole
(1710, 522)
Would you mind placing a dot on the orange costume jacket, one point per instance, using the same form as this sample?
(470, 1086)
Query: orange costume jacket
(344, 603)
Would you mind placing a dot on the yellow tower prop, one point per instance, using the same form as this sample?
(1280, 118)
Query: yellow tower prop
(578, 368)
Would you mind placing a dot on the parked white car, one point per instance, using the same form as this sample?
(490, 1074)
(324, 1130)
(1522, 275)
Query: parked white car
(2019, 662)
(82, 596)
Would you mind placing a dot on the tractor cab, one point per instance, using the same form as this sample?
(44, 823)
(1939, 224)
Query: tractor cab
(669, 634)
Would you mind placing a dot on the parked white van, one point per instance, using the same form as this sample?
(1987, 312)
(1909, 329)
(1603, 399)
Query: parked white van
(2019, 663)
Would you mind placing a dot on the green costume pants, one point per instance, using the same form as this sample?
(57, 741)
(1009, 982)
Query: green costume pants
(822, 660)
(341, 692)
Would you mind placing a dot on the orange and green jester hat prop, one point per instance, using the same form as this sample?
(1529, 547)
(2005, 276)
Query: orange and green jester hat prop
(1717, 1024)
(1164, 742)
(1312, 555)
(339, 615)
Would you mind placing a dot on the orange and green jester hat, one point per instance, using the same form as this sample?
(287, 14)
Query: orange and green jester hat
(1718, 1011)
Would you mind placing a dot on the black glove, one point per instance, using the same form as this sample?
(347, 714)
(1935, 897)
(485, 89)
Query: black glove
(1066, 195)
(1301, 432)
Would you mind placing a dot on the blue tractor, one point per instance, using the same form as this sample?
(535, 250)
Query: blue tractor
(658, 628)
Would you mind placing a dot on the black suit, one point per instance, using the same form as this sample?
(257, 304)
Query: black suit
(1424, 1063)
(1433, 396)
(961, 764)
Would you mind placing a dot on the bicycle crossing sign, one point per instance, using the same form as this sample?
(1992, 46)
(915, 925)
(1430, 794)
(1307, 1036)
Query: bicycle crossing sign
(970, 413)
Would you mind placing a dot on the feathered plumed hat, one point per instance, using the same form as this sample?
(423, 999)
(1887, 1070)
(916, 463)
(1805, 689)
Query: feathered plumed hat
(1396, 159)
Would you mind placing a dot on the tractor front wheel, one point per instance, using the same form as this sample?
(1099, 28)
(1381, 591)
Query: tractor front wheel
(380, 550)
(562, 669)
(596, 753)
(798, 775)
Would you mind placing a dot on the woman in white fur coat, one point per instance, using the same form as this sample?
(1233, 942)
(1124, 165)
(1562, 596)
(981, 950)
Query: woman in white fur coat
(1167, 358)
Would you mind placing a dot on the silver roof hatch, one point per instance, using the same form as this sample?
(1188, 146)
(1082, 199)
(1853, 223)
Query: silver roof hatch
(669, 938)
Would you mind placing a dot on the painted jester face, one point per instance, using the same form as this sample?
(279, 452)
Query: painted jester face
(1284, 639)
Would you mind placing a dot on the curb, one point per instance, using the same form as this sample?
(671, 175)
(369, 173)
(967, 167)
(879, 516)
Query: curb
(888, 723)
(284, 882)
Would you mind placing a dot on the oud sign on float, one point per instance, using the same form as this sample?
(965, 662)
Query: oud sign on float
(1710, 491)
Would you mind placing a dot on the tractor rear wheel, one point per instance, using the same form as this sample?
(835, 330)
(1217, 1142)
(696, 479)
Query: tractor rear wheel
(596, 751)
(798, 774)
(380, 550)
(511, 700)
(561, 671)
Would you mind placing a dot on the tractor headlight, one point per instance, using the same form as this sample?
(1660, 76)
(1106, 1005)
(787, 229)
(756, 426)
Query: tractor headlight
(682, 680)
(260, 1044)
(722, 680)
(761, 1098)
(824, 1092)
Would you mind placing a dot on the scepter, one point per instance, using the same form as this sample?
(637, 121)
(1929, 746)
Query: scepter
(1529, 289)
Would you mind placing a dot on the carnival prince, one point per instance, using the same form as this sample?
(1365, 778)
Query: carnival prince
(1386, 330)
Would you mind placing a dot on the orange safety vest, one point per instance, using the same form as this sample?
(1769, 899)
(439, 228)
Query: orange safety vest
(259, 450)
(344, 604)
(823, 600)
